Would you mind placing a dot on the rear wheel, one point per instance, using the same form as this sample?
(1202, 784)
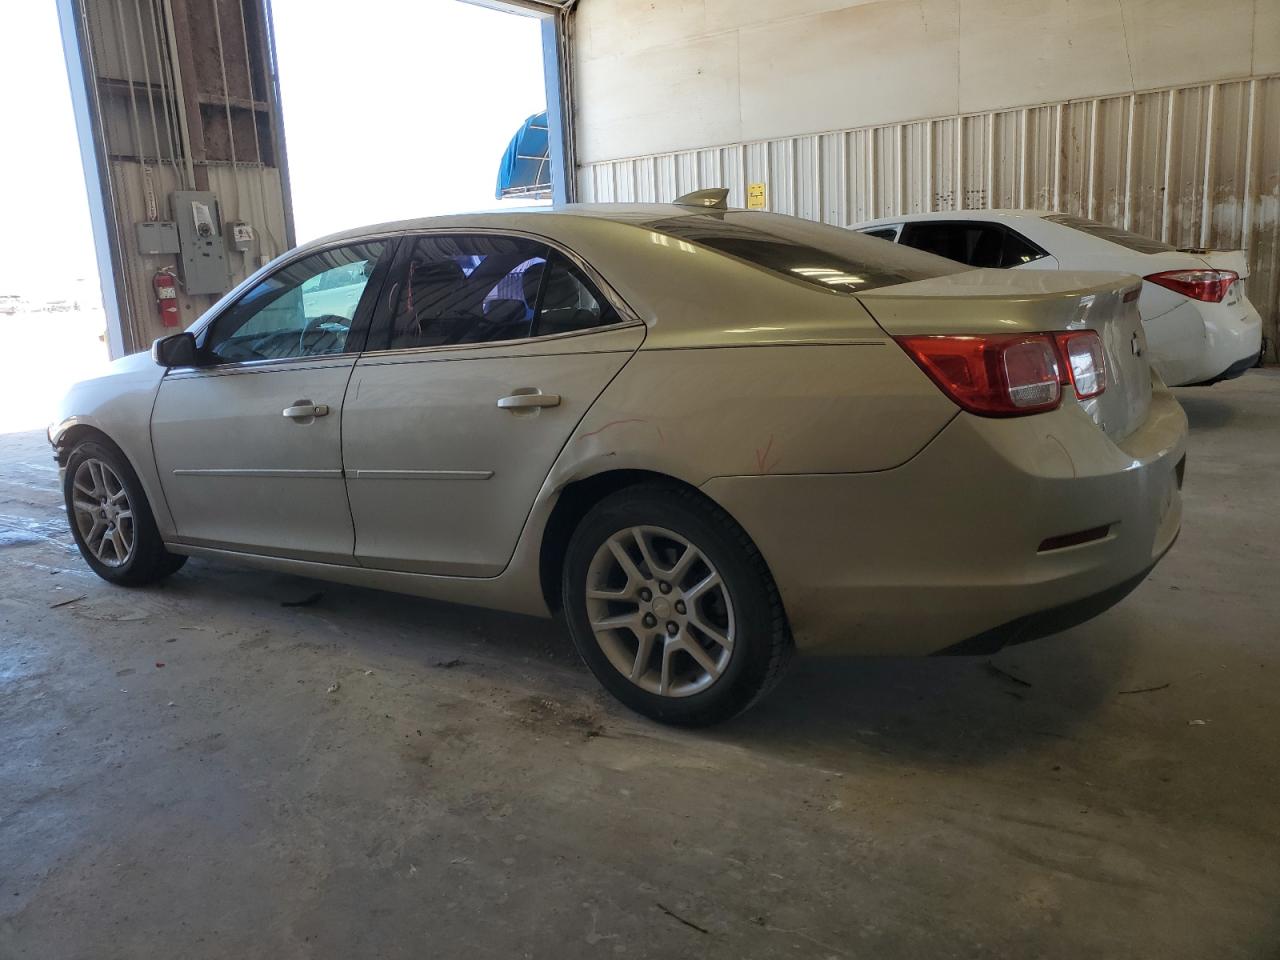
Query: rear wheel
(672, 607)
(111, 519)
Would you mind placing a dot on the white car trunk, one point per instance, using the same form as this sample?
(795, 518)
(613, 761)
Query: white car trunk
(1235, 260)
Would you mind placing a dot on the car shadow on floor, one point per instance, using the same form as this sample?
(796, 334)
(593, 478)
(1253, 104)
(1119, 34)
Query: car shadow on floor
(371, 619)
(962, 710)
(1205, 412)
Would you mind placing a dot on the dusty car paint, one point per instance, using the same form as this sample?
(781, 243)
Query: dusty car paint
(891, 521)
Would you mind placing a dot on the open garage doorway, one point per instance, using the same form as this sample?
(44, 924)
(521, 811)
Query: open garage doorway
(52, 327)
(403, 108)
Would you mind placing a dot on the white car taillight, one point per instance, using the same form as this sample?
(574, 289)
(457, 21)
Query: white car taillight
(1209, 286)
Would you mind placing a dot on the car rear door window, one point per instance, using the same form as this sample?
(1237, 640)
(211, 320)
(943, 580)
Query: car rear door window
(1019, 250)
(976, 243)
(883, 233)
(566, 300)
(941, 239)
(460, 289)
(486, 288)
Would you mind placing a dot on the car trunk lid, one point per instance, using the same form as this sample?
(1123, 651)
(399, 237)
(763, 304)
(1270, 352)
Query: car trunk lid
(1234, 260)
(1005, 301)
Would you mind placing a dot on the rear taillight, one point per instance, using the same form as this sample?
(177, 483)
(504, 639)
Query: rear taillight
(999, 375)
(1010, 374)
(1084, 361)
(1211, 286)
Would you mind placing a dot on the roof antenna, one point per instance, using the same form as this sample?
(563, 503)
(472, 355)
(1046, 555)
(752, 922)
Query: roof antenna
(714, 198)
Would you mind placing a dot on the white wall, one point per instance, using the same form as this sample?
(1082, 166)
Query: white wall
(1162, 116)
(656, 76)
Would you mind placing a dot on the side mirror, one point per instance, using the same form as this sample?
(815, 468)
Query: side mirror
(178, 350)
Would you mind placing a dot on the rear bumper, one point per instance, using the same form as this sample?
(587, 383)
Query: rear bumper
(947, 547)
(1047, 622)
(1234, 336)
(1213, 340)
(1236, 369)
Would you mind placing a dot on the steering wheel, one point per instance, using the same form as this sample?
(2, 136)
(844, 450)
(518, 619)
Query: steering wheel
(312, 338)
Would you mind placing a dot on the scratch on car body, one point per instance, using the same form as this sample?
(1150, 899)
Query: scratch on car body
(762, 458)
(614, 423)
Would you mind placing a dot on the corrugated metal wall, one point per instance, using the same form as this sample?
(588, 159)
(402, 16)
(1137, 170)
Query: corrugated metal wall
(1194, 166)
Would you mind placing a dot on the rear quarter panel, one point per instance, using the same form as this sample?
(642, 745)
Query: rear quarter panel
(695, 414)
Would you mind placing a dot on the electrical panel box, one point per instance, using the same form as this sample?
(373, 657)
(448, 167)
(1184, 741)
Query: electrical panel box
(157, 237)
(203, 254)
(241, 236)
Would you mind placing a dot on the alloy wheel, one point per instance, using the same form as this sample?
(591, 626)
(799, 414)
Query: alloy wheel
(660, 611)
(103, 513)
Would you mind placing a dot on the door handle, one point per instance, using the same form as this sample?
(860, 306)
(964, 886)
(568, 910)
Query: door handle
(523, 401)
(305, 409)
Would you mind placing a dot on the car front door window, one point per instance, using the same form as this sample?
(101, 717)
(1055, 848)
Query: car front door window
(306, 308)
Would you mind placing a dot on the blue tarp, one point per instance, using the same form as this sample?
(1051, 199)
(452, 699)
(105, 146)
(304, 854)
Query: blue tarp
(526, 165)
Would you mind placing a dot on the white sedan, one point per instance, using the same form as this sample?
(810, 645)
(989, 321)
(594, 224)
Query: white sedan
(1200, 326)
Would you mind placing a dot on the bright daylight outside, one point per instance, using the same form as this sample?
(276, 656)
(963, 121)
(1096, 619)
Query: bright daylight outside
(383, 124)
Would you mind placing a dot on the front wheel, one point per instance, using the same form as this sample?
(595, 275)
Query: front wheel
(671, 606)
(111, 520)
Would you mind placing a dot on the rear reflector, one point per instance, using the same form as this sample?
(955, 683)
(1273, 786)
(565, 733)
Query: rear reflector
(1074, 539)
(1209, 286)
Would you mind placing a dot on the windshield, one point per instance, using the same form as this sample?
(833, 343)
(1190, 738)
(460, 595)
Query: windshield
(834, 259)
(1125, 238)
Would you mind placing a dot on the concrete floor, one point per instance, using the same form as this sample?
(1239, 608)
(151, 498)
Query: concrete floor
(177, 778)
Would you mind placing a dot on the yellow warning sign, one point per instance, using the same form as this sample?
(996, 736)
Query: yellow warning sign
(755, 196)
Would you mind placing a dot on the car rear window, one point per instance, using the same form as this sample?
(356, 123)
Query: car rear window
(823, 256)
(1131, 241)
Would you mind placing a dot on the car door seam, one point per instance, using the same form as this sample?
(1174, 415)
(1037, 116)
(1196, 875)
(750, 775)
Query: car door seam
(569, 438)
(155, 460)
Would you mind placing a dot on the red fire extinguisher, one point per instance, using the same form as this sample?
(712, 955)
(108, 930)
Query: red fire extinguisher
(166, 285)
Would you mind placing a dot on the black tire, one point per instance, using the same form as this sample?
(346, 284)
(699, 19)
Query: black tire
(761, 646)
(148, 561)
